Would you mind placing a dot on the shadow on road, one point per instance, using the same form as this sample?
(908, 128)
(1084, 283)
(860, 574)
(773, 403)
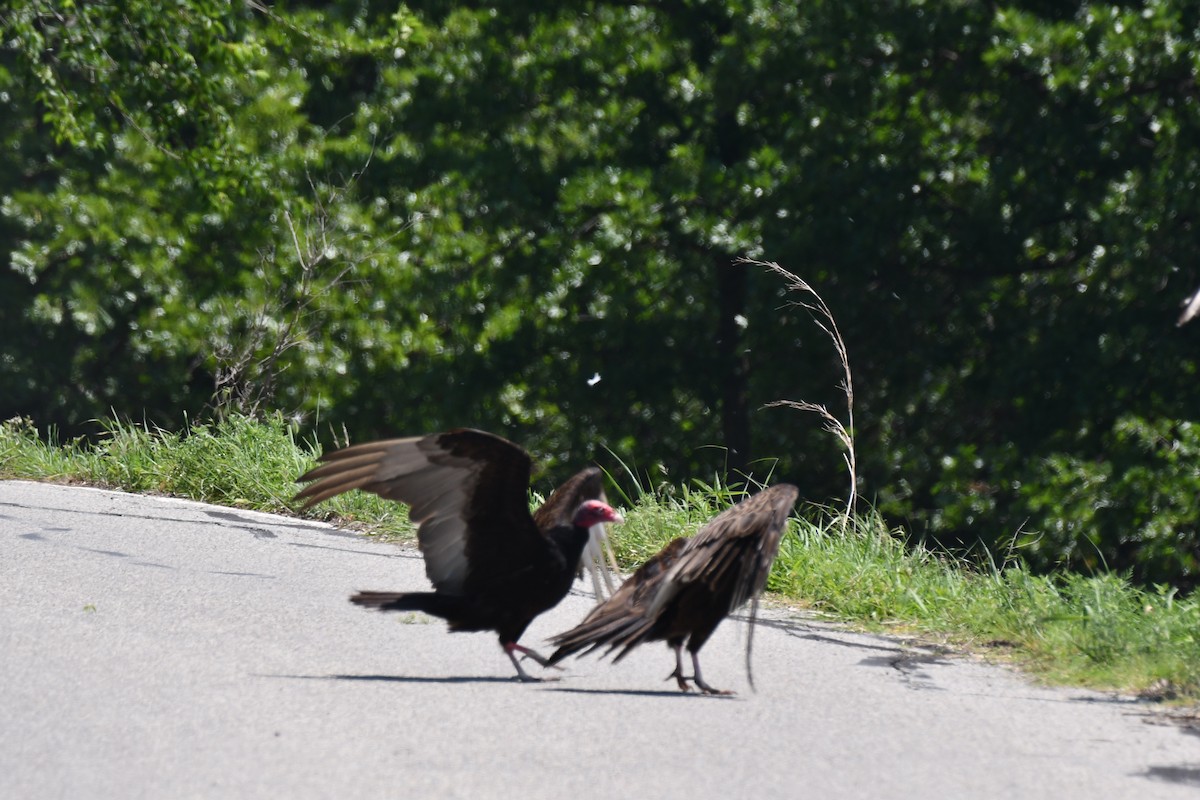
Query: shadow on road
(451, 679)
(400, 678)
(644, 693)
(1183, 775)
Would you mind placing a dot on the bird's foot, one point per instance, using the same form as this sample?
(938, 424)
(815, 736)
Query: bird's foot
(511, 648)
(699, 680)
(704, 687)
(533, 655)
(525, 677)
(680, 679)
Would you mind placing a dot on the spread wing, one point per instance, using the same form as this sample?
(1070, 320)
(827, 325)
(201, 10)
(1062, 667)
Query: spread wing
(467, 492)
(621, 620)
(734, 550)
(559, 509)
(732, 554)
(726, 562)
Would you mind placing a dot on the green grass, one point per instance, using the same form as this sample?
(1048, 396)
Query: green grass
(1096, 631)
(237, 462)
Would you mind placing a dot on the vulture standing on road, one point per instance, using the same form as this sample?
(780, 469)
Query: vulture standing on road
(493, 565)
(684, 591)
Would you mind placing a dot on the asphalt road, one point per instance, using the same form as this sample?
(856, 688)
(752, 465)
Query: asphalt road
(159, 648)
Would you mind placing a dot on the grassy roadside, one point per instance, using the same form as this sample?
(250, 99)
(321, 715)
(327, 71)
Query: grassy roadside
(1095, 631)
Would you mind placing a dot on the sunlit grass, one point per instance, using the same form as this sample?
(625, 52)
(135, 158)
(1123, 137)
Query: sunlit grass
(1096, 631)
(237, 462)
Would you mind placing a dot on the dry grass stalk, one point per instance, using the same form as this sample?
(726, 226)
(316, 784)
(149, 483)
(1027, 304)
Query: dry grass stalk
(823, 317)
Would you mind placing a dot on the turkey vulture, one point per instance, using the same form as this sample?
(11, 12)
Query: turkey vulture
(493, 565)
(685, 590)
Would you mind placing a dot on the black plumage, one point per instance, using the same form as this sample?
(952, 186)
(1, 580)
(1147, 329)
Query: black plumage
(493, 565)
(683, 592)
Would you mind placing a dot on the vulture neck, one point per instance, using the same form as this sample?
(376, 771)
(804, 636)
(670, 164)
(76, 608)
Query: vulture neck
(571, 540)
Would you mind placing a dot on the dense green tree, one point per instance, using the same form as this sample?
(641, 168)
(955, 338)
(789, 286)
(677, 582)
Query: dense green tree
(400, 219)
(165, 217)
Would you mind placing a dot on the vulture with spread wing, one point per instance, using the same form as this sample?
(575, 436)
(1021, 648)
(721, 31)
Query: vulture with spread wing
(683, 592)
(493, 565)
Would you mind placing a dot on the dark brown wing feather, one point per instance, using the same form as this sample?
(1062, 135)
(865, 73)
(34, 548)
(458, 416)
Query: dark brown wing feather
(623, 615)
(467, 492)
(559, 510)
(692, 584)
(734, 551)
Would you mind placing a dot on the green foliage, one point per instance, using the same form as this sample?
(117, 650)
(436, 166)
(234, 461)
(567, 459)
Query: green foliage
(1129, 506)
(1134, 505)
(1102, 631)
(400, 219)
(657, 516)
(99, 67)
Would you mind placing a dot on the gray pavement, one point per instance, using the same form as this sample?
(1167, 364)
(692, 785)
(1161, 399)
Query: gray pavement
(160, 648)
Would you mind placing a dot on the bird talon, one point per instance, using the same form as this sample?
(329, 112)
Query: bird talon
(525, 677)
(680, 679)
(704, 687)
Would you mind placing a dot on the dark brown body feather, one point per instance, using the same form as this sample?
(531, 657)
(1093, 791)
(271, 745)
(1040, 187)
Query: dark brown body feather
(684, 592)
(493, 565)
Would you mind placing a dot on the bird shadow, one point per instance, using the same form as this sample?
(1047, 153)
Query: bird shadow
(643, 693)
(551, 684)
(402, 678)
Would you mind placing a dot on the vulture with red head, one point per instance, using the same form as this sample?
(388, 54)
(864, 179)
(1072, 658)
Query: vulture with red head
(683, 592)
(493, 565)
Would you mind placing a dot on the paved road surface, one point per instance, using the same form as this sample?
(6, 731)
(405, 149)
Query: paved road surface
(158, 648)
